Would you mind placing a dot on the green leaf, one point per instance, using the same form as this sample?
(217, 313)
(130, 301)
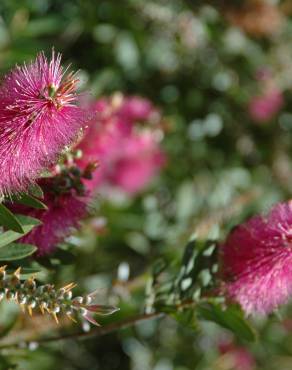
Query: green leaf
(158, 267)
(4, 330)
(27, 223)
(6, 364)
(188, 252)
(186, 318)
(16, 251)
(9, 220)
(36, 191)
(231, 318)
(30, 201)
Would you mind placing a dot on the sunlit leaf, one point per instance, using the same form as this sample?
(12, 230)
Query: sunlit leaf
(36, 191)
(9, 220)
(29, 201)
(230, 318)
(27, 223)
(16, 251)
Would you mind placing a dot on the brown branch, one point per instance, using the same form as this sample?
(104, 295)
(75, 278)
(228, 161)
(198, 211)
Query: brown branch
(99, 331)
(96, 332)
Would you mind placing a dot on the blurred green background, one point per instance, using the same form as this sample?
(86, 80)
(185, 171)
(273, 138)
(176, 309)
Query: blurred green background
(202, 63)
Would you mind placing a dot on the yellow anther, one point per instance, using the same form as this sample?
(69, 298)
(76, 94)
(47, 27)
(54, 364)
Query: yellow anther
(17, 272)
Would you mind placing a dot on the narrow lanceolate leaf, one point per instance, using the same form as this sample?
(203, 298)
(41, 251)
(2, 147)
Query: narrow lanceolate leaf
(186, 318)
(36, 191)
(29, 201)
(16, 251)
(7, 327)
(27, 223)
(230, 318)
(9, 220)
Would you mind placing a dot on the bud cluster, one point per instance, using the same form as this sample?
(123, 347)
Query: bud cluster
(48, 299)
(68, 177)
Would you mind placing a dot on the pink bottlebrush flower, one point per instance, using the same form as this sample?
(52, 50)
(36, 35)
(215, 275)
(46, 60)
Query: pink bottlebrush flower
(135, 108)
(257, 261)
(128, 155)
(39, 116)
(137, 164)
(263, 108)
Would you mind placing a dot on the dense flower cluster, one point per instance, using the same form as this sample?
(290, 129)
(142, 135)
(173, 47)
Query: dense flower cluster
(128, 157)
(49, 299)
(124, 139)
(257, 261)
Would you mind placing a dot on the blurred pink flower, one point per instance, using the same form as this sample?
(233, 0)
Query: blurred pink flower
(239, 357)
(257, 261)
(135, 108)
(137, 164)
(63, 214)
(263, 108)
(66, 199)
(129, 155)
(39, 116)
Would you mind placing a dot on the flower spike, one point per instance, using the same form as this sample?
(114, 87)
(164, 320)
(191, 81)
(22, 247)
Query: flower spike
(28, 295)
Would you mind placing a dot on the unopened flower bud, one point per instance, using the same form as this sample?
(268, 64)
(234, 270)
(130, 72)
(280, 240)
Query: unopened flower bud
(87, 300)
(78, 300)
(83, 311)
(61, 293)
(29, 284)
(68, 295)
(56, 309)
(31, 302)
(10, 295)
(69, 311)
(44, 304)
(48, 288)
(22, 299)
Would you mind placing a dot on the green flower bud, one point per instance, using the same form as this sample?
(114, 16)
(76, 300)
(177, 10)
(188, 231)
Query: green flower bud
(83, 311)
